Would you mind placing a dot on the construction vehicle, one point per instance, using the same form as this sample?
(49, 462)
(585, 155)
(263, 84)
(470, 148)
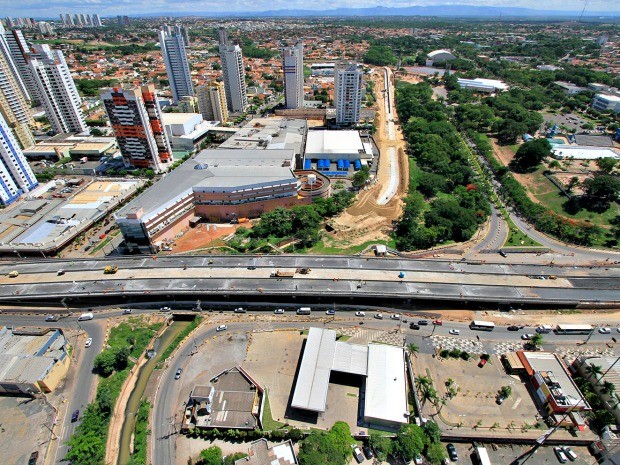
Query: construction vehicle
(282, 274)
(303, 270)
(13, 274)
(110, 269)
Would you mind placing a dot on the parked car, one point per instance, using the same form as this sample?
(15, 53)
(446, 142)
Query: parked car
(251, 267)
(500, 399)
(74, 416)
(394, 316)
(454, 332)
(221, 328)
(502, 253)
(379, 316)
(413, 326)
(418, 460)
(33, 458)
(368, 452)
(357, 453)
(360, 314)
(423, 322)
(178, 373)
(560, 454)
(569, 453)
(604, 330)
(279, 311)
(51, 318)
(437, 322)
(452, 452)
(89, 342)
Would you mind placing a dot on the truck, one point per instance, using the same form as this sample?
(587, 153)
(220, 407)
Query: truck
(483, 455)
(544, 329)
(13, 274)
(304, 311)
(111, 269)
(282, 274)
(303, 270)
(85, 316)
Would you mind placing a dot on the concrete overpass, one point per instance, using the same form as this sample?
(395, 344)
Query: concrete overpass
(332, 278)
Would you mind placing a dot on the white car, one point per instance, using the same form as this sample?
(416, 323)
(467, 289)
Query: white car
(379, 316)
(89, 342)
(394, 316)
(604, 330)
(364, 314)
(454, 332)
(527, 336)
(221, 328)
(279, 311)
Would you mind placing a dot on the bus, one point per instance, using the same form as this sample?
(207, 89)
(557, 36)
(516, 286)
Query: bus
(573, 329)
(482, 325)
(304, 311)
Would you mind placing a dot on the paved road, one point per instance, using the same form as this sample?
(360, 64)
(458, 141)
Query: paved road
(496, 236)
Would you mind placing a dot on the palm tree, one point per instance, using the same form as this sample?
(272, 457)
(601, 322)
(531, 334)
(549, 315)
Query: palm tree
(422, 382)
(608, 388)
(413, 348)
(595, 370)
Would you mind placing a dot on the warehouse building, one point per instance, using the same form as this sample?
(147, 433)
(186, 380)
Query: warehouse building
(488, 86)
(328, 149)
(32, 360)
(439, 56)
(382, 367)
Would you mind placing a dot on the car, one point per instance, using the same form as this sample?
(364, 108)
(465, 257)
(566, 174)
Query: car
(360, 313)
(127, 311)
(367, 452)
(418, 460)
(454, 332)
(423, 322)
(89, 342)
(413, 326)
(502, 253)
(560, 454)
(51, 318)
(527, 336)
(279, 311)
(379, 316)
(404, 320)
(500, 399)
(221, 328)
(513, 328)
(178, 373)
(452, 452)
(74, 416)
(33, 458)
(604, 330)
(618, 330)
(251, 267)
(240, 310)
(60, 272)
(437, 322)
(569, 453)
(394, 316)
(331, 311)
(357, 453)
(165, 309)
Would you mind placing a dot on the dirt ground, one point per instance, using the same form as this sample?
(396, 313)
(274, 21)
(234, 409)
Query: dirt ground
(204, 236)
(365, 220)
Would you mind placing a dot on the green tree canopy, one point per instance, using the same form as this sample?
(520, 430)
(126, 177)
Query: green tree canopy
(604, 187)
(410, 441)
(531, 154)
(211, 456)
(321, 447)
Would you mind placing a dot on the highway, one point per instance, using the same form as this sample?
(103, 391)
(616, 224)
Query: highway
(334, 276)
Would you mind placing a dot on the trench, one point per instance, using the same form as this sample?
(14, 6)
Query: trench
(131, 410)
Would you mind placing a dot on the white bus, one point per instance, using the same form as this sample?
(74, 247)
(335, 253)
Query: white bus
(483, 455)
(573, 329)
(482, 325)
(304, 311)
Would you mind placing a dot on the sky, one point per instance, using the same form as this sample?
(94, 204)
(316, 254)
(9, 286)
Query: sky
(52, 8)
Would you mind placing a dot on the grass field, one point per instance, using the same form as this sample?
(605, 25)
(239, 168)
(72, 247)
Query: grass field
(336, 248)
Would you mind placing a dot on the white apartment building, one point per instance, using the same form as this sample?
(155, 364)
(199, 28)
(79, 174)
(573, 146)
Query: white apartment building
(16, 177)
(233, 74)
(349, 90)
(293, 68)
(57, 91)
(19, 51)
(212, 102)
(173, 49)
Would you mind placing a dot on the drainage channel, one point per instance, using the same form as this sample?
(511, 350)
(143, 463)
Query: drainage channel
(135, 397)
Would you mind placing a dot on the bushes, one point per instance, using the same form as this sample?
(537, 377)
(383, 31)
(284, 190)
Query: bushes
(140, 432)
(455, 353)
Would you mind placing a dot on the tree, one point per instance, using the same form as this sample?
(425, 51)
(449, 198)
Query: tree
(232, 458)
(361, 177)
(333, 446)
(572, 183)
(105, 362)
(608, 388)
(505, 391)
(382, 445)
(211, 456)
(531, 154)
(410, 441)
(595, 370)
(430, 184)
(537, 341)
(413, 348)
(435, 453)
(121, 357)
(432, 431)
(606, 164)
(604, 187)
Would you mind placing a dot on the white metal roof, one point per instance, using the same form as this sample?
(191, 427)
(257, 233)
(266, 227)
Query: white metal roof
(324, 142)
(316, 365)
(580, 152)
(351, 358)
(386, 389)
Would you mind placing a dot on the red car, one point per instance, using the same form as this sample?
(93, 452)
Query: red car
(482, 362)
(438, 322)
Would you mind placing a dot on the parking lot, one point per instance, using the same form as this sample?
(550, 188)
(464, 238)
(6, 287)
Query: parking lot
(508, 454)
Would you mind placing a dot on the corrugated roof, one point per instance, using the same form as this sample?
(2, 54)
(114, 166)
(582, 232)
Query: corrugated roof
(351, 358)
(386, 388)
(316, 365)
(333, 142)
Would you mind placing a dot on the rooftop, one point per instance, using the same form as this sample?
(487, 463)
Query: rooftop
(261, 454)
(179, 118)
(269, 134)
(333, 142)
(579, 152)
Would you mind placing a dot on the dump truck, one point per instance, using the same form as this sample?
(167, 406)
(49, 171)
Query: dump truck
(282, 274)
(110, 269)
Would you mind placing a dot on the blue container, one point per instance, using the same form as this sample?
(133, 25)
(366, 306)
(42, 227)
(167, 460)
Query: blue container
(307, 164)
(357, 165)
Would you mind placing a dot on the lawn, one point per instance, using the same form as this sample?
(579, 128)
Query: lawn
(335, 248)
(269, 424)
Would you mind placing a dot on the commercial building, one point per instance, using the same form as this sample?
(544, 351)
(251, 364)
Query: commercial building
(293, 69)
(138, 126)
(381, 365)
(172, 47)
(322, 69)
(439, 56)
(233, 74)
(349, 90)
(232, 400)
(569, 88)
(606, 102)
(212, 102)
(261, 454)
(581, 152)
(57, 91)
(16, 177)
(186, 131)
(32, 360)
(609, 373)
(337, 145)
(488, 86)
(14, 106)
(553, 385)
